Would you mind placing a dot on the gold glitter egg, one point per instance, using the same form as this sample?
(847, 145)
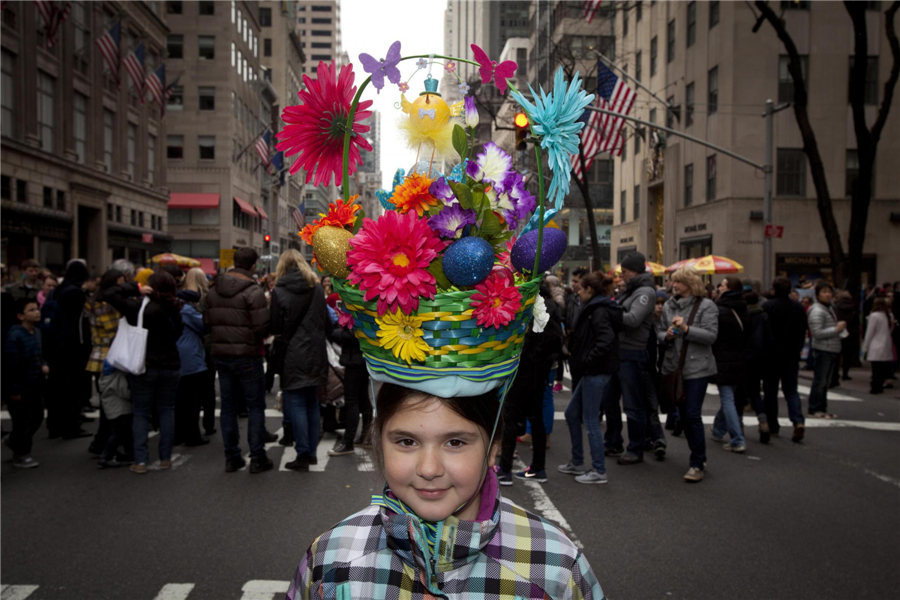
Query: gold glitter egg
(331, 245)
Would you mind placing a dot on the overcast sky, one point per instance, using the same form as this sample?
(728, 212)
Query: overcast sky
(371, 27)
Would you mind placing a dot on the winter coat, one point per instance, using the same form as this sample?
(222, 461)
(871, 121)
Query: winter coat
(377, 553)
(75, 341)
(879, 345)
(787, 325)
(351, 353)
(104, 322)
(298, 311)
(541, 350)
(594, 341)
(115, 395)
(638, 301)
(20, 291)
(237, 315)
(573, 307)
(190, 344)
(823, 328)
(732, 341)
(162, 320)
(759, 338)
(700, 361)
(23, 361)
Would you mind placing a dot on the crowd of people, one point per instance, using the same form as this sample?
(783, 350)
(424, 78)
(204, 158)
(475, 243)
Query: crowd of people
(628, 344)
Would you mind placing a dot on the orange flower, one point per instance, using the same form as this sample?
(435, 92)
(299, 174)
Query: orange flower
(340, 214)
(413, 194)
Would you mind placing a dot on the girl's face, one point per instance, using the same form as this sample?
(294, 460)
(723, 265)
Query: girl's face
(49, 285)
(433, 459)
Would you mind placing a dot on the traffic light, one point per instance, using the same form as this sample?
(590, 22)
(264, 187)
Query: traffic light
(521, 122)
(267, 239)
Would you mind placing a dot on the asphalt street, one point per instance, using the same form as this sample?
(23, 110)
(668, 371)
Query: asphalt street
(819, 519)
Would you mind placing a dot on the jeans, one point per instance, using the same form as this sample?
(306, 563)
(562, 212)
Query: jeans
(242, 378)
(748, 391)
(356, 401)
(584, 408)
(826, 362)
(692, 419)
(787, 374)
(627, 383)
(156, 387)
(727, 417)
(303, 403)
(549, 408)
(27, 414)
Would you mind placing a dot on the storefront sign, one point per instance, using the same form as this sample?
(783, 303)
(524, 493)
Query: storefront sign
(604, 235)
(774, 231)
(695, 228)
(626, 240)
(147, 238)
(226, 258)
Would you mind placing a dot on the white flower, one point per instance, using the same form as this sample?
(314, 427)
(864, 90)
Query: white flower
(540, 314)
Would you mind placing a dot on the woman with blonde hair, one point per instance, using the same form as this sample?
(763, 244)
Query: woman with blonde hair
(299, 321)
(692, 323)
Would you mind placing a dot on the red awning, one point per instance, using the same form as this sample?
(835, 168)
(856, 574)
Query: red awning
(245, 206)
(193, 201)
(208, 265)
(262, 213)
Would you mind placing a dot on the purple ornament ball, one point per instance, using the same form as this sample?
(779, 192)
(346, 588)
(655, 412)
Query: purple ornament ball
(552, 249)
(468, 261)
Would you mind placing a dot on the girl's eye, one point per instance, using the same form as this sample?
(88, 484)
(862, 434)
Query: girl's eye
(456, 443)
(406, 442)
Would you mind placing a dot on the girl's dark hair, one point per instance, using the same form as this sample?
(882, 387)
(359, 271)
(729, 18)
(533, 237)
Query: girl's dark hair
(176, 272)
(598, 283)
(109, 279)
(164, 288)
(482, 410)
(881, 304)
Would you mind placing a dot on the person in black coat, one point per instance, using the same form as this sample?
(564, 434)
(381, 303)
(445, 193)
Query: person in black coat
(758, 341)
(594, 345)
(526, 396)
(158, 385)
(730, 351)
(356, 392)
(300, 324)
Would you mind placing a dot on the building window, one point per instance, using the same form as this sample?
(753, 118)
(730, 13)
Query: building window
(21, 191)
(152, 221)
(133, 218)
(791, 165)
(636, 201)
(851, 172)
(689, 104)
(175, 46)
(10, 15)
(48, 197)
(8, 94)
(710, 178)
(624, 23)
(246, 31)
(321, 9)
(670, 41)
(131, 150)
(638, 65)
(151, 159)
(640, 12)
(232, 11)
(325, 57)
(110, 213)
(141, 219)
(207, 145)
(267, 47)
(174, 8)
(318, 33)
(233, 54)
(159, 223)
(794, 5)
(207, 8)
(109, 120)
(46, 95)
(670, 112)
(321, 21)
(118, 214)
(176, 99)
(6, 187)
(637, 143)
(712, 94)
(207, 98)
(240, 17)
(624, 154)
(206, 47)
(60, 200)
(82, 26)
(786, 82)
(688, 185)
(871, 86)
(265, 17)
(622, 207)
(713, 13)
(240, 61)
(653, 115)
(79, 126)
(653, 52)
(174, 146)
(691, 24)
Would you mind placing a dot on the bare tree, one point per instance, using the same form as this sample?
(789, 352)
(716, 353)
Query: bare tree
(846, 268)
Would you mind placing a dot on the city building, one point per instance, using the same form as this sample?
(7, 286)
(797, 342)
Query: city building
(368, 176)
(82, 169)
(675, 199)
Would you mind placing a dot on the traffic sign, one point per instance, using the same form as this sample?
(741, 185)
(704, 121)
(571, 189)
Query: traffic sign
(226, 258)
(774, 231)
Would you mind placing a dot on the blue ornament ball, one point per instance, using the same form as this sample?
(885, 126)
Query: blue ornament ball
(468, 261)
(552, 249)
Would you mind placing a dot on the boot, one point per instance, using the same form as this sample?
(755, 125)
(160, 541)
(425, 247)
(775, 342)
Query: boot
(288, 438)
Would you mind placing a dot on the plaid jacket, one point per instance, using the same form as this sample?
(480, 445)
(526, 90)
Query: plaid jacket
(380, 554)
(104, 320)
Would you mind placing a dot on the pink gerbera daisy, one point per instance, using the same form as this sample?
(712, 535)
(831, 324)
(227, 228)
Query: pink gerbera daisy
(389, 261)
(315, 128)
(345, 320)
(497, 301)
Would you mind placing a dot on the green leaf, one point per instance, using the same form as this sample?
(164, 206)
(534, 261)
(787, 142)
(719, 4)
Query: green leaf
(359, 219)
(460, 142)
(436, 268)
(462, 193)
(490, 225)
(435, 209)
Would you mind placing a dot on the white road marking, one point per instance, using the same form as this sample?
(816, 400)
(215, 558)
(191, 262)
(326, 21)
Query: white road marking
(883, 478)
(363, 460)
(804, 390)
(177, 461)
(279, 433)
(290, 453)
(810, 423)
(544, 505)
(16, 592)
(175, 591)
(264, 589)
(322, 456)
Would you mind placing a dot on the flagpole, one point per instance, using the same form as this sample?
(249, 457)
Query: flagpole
(247, 147)
(636, 82)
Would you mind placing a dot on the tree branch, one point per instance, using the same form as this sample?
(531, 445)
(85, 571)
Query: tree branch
(895, 72)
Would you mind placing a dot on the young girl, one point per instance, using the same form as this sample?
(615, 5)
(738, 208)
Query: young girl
(441, 527)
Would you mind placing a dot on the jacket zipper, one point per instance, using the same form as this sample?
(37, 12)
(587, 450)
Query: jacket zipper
(431, 561)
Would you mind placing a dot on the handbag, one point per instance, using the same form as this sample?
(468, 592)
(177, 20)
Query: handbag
(128, 351)
(671, 388)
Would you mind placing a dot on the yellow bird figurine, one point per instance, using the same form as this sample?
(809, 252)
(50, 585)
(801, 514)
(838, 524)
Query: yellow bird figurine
(429, 121)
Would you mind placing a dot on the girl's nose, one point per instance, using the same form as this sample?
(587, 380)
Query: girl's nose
(430, 465)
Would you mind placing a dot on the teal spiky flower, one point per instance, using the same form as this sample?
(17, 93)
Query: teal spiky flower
(555, 120)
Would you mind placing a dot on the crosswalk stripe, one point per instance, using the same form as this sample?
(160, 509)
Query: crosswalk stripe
(16, 592)
(363, 460)
(805, 390)
(177, 461)
(545, 506)
(810, 423)
(290, 453)
(264, 589)
(279, 433)
(174, 591)
(322, 458)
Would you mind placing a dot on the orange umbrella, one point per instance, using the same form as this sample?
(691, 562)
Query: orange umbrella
(708, 265)
(656, 269)
(175, 259)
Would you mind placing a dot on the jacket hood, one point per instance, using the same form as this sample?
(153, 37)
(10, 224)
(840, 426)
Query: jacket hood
(733, 300)
(233, 283)
(639, 281)
(295, 283)
(598, 301)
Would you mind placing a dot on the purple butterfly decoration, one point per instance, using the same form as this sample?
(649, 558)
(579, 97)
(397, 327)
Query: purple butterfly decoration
(489, 69)
(378, 69)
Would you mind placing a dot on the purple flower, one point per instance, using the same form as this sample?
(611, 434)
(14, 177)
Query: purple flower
(471, 112)
(450, 222)
(492, 165)
(512, 200)
(441, 190)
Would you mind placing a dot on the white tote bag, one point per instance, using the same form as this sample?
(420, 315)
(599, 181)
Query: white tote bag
(129, 348)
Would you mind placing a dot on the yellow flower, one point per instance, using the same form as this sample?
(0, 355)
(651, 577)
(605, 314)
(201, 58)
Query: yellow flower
(403, 335)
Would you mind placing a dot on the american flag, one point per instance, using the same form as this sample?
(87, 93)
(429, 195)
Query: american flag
(53, 16)
(155, 84)
(603, 133)
(590, 8)
(299, 215)
(262, 147)
(134, 64)
(109, 47)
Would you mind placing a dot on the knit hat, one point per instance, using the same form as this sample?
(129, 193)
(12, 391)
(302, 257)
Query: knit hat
(635, 262)
(661, 295)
